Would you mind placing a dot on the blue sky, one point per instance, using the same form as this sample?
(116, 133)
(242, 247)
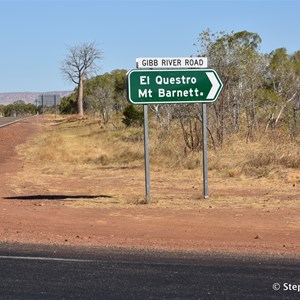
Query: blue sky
(35, 35)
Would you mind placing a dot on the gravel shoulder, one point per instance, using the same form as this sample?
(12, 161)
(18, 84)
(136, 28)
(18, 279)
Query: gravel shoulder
(82, 210)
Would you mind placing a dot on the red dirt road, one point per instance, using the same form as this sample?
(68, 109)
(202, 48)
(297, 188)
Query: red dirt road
(49, 220)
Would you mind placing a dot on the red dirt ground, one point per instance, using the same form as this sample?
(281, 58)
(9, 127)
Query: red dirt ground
(253, 231)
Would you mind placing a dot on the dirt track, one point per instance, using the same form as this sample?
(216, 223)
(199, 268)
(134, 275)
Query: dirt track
(31, 213)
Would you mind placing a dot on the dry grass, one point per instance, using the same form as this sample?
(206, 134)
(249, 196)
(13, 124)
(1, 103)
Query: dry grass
(81, 157)
(85, 142)
(82, 143)
(256, 159)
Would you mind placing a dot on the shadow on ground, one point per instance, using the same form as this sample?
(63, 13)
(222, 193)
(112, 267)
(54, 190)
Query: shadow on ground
(56, 197)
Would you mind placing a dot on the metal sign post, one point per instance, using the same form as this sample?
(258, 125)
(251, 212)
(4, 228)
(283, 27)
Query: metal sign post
(146, 154)
(204, 151)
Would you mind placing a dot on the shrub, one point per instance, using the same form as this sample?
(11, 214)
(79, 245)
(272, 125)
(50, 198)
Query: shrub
(132, 116)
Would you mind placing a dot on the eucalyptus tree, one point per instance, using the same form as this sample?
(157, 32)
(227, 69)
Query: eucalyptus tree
(164, 114)
(106, 93)
(282, 94)
(236, 58)
(295, 120)
(79, 63)
(101, 102)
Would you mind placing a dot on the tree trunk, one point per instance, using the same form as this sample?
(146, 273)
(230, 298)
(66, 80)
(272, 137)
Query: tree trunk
(80, 97)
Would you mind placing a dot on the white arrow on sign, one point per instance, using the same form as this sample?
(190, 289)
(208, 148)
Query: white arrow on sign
(215, 85)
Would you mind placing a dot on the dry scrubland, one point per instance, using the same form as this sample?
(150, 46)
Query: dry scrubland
(258, 174)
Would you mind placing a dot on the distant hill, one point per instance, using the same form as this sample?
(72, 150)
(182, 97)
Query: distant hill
(28, 97)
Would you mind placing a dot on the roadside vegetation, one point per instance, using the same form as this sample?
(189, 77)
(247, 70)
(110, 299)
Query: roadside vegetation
(83, 157)
(87, 144)
(17, 108)
(253, 127)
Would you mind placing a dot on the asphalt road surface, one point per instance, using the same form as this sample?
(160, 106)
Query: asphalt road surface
(10, 120)
(40, 272)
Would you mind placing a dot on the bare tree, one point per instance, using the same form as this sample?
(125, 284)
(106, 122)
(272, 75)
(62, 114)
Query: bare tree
(79, 63)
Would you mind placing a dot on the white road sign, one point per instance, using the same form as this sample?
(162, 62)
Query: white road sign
(171, 62)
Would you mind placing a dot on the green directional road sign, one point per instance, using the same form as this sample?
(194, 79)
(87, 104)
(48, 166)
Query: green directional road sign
(173, 86)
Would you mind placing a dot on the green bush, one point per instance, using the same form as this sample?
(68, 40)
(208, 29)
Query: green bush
(68, 105)
(132, 116)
